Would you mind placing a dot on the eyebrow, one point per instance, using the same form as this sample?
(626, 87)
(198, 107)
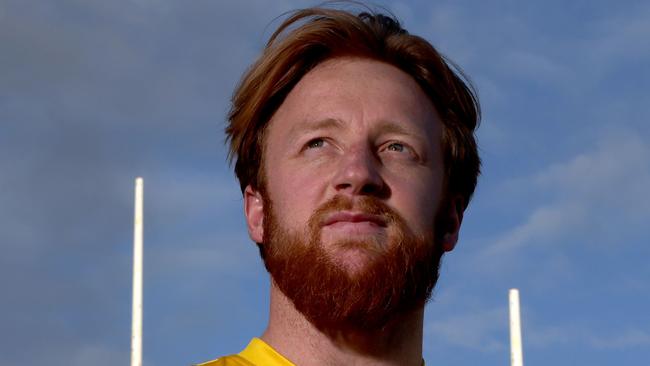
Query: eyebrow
(396, 128)
(384, 126)
(322, 124)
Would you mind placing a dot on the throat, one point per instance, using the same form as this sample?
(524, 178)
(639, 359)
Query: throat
(293, 336)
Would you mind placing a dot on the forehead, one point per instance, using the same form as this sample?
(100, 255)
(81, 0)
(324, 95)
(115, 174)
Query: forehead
(357, 79)
(357, 92)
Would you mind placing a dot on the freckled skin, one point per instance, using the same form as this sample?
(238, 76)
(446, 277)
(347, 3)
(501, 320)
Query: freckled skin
(384, 141)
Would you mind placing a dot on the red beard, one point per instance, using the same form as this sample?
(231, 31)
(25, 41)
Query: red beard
(398, 277)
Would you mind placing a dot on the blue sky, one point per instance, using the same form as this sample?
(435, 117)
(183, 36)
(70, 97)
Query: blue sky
(95, 93)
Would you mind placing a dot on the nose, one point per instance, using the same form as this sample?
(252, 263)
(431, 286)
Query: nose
(358, 174)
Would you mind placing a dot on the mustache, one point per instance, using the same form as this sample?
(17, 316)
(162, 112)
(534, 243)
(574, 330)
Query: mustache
(365, 205)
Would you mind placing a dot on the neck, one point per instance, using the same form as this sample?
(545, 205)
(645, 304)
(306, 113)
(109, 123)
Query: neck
(293, 336)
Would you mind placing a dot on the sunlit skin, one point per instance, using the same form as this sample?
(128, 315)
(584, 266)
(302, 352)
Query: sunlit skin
(352, 127)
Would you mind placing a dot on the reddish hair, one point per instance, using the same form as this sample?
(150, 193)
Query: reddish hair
(311, 36)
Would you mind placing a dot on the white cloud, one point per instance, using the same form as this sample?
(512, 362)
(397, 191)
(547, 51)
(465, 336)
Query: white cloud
(607, 184)
(627, 339)
(618, 40)
(475, 330)
(176, 193)
(549, 336)
(507, 43)
(567, 215)
(98, 355)
(618, 166)
(487, 331)
(535, 66)
(544, 224)
(234, 255)
(552, 336)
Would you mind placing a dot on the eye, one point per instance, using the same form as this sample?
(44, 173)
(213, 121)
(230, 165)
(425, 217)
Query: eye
(399, 150)
(396, 146)
(315, 143)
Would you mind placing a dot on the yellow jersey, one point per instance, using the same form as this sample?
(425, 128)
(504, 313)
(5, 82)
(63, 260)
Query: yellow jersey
(257, 353)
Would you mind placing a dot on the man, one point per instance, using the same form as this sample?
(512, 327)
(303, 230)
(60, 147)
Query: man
(355, 151)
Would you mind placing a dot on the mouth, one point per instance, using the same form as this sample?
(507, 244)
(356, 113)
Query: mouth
(354, 218)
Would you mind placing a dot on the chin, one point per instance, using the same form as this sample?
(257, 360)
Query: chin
(354, 260)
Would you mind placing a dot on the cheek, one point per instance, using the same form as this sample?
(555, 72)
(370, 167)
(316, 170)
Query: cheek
(295, 195)
(417, 200)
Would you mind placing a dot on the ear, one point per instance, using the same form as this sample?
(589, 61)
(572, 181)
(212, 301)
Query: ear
(254, 211)
(454, 218)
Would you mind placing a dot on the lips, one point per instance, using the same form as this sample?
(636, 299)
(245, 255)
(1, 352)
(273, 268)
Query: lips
(354, 217)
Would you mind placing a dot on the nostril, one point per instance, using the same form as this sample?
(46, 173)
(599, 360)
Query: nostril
(369, 189)
(376, 189)
(343, 186)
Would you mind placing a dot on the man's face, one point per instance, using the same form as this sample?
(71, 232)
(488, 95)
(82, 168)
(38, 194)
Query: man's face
(353, 180)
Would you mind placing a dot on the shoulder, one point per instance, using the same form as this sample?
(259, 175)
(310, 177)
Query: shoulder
(234, 360)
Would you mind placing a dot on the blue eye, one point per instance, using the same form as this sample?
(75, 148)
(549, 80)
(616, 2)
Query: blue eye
(315, 143)
(396, 146)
